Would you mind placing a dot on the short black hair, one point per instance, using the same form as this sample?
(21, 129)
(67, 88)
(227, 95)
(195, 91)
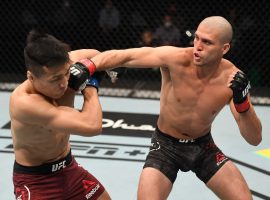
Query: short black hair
(43, 49)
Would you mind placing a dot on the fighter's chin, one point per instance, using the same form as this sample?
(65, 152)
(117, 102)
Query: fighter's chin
(197, 63)
(58, 96)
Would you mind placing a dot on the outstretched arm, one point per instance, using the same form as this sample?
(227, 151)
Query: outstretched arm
(144, 57)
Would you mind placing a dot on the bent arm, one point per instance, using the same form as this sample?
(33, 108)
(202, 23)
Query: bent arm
(249, 124)
(144, 57)
(64, 119)
(68, 98)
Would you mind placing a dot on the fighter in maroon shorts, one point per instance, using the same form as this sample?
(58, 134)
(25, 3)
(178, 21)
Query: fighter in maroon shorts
(43, 117)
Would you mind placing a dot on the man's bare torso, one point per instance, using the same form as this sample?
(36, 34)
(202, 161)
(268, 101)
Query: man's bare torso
(189, 103)
(34, 144)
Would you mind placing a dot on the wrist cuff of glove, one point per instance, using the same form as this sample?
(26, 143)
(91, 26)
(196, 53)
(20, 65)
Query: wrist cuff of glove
(242, 107)
(90, 65)
(92, 82)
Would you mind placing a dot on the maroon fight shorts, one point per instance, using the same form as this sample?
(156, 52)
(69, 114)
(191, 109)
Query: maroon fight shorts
(60, 180)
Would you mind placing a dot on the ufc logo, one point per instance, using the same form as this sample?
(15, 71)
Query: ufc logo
(74, 71)
(245, 91)
(58, 166)
(186, 140)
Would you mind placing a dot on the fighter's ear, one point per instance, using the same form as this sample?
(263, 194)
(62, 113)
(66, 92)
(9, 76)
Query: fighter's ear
(226, 48)
(29, 76)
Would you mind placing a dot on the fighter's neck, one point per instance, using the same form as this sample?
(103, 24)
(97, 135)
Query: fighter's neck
(206, 72)
(30, 89)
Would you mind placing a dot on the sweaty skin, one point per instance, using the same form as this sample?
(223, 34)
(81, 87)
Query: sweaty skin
(41, 124)
(195, 81)
(195, 87)
(188, 104)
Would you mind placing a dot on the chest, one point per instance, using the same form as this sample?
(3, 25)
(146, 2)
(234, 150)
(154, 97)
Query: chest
(38, 135)
(187, 89)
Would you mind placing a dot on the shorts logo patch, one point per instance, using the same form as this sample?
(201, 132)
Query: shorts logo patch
(21, 194)
(155, 146)
(19, 197)
(220, 158)
(90, 187)
(186, 140)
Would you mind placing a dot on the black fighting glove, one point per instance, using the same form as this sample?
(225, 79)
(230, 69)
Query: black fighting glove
(240, 86)
(79, 72)
(95, 79)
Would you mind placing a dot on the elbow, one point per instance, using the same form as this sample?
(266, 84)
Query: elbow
(94, 129)
(257, 140)
(98, 130)
(95, 52)
(255, 143)
(91, 129)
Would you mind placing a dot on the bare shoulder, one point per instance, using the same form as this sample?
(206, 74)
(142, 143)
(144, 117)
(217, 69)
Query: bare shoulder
(177, 55)
(228, 66)
(174, 51)
(25, 106)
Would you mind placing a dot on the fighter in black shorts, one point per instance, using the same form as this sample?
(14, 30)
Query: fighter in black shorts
(196, 83)
(169, 154)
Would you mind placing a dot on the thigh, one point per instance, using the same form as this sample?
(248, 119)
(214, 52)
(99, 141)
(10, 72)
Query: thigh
(104, 196)
(153, 185)
(42, 187)
(228, 183)
(162, 156)
(81, 184)
(22, 193)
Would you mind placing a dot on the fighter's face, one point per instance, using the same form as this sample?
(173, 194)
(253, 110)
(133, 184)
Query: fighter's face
(207, 47)
(53, 82)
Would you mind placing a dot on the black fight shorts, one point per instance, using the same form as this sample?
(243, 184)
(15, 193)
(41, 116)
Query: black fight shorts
(169, 155)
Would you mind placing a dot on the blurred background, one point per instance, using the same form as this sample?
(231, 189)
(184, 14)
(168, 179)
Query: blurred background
(111, 24)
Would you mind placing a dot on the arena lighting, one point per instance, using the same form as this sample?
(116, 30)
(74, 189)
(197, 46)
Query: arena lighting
(188, 33)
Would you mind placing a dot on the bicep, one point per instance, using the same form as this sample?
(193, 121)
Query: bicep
(64, 119)
(146, 57)
(38, 112)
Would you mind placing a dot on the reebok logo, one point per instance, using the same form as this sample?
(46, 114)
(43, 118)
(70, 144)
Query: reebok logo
(90, 187)
(220, 158)
(92, 192)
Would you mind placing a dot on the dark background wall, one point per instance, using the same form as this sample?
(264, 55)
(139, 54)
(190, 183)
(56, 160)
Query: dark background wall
(76, 22)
